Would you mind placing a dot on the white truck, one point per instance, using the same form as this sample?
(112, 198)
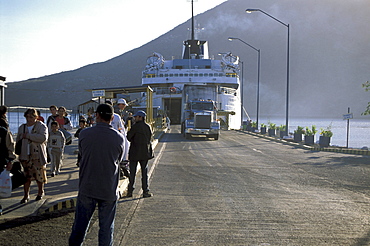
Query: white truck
(199, 111)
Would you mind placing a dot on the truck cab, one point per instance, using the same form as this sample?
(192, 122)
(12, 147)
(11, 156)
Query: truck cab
(200, 118)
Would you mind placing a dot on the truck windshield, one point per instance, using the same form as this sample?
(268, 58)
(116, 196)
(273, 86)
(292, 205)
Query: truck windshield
(202, 105)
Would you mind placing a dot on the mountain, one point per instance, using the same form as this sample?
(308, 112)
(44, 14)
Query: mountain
(329, 60)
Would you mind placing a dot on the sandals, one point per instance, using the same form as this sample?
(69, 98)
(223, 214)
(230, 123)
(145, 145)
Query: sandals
(25, 200)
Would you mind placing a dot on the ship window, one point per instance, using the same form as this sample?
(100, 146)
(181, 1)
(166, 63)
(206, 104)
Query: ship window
(178, 67)
(220, 74)
(181, 75)
(200, 75)
(211, 74)
(171, 74)
(190, 74)
(208, 67)
(161, 75)
(195, 75)
(206, 75)
(186, 75)
(166, 75)
(176, 75)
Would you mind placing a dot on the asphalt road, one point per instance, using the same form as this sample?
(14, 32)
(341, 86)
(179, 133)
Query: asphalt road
(239, 190)
(243, 190)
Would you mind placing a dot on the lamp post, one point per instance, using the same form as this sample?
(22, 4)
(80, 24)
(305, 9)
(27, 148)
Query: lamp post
(258, 75)
(287, 72)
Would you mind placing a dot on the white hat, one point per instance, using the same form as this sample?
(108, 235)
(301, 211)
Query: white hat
(122, 101)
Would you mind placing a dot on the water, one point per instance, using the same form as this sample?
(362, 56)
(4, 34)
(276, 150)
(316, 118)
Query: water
(15, 119)
(359, 129)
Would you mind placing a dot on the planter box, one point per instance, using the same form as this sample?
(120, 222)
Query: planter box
(309, 139)
(272, 132)
(297, 137)
(263, 130)
(324, 141)
(281, 134)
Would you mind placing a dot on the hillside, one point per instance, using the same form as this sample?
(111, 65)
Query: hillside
(328, 53)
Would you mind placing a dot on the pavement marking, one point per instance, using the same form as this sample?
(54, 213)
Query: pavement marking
(259, 151)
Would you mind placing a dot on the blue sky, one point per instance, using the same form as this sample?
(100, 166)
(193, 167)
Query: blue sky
(42, 37)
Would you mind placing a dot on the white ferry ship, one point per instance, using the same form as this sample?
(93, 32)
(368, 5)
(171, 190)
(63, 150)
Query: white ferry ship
(167, 78)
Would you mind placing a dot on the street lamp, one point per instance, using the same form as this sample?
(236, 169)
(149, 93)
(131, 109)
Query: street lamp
(287, 72)
(258, 76)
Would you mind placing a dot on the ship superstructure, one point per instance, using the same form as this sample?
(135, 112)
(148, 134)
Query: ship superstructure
(169, 77)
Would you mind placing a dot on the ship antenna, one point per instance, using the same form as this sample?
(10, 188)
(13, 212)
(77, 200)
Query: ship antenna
(192, 19)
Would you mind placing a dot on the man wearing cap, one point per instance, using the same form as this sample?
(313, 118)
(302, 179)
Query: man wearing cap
(101, 148)
(140, 136)
(122, 104)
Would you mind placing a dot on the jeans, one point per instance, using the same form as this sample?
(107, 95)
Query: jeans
(84, 210)
(144, 175)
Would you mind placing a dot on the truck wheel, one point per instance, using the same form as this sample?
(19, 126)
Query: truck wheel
(187, 135)
(216, 137)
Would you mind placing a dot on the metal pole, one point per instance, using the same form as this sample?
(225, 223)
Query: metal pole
(287, 87)
(258, 85)
(348, 128)
(288, 63)
(242, 94)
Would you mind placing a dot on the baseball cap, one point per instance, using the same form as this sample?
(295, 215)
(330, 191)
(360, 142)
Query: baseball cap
(122, 101)
(104, 109)
(140, 113)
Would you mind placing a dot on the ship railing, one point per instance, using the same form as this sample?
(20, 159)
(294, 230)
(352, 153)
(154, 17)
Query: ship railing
(167, 90)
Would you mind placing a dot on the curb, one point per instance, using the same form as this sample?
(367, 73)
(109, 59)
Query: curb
(311, 148)
(58, 206)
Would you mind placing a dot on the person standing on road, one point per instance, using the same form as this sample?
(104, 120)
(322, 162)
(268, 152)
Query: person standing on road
(140, 136)
(101, 148)
(34, 135)
(122, 104)
(56, 143)
(117, 124)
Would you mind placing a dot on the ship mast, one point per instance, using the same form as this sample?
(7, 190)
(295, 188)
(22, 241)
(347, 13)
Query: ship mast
(192, 20)
(194, 49)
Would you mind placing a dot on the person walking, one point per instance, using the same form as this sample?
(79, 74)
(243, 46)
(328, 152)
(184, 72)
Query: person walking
(101, 148)
(34, 135)
(56, 143)
(139, 136)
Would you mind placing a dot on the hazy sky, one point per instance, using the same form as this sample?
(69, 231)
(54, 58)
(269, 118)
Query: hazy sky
(42, 37)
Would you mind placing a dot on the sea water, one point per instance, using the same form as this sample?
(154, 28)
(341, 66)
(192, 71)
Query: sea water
(359, 129)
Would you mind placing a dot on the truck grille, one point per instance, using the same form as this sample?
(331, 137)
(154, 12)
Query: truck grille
(202, 121)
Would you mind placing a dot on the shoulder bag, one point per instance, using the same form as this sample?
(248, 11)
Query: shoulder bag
(18, 145)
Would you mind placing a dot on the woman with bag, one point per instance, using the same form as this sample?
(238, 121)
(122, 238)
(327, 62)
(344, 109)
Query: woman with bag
(34, 135)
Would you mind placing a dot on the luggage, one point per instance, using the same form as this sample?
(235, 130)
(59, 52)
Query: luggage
(18, 178)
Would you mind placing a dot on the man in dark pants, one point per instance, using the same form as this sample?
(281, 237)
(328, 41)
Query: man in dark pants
(102, 149)
(140, 136)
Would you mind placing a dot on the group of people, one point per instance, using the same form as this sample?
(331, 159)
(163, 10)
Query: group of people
(102, 148)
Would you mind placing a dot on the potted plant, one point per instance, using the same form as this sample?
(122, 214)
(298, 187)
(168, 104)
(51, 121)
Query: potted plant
(309, 135)
(298, 134)
(326, 134)
(254, 126)
(282, 130)
(263, 128)
(272, 129)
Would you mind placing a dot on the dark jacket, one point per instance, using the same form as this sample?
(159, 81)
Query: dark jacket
(140, 136)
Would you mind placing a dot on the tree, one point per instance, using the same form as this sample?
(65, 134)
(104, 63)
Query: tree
(367, 88)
